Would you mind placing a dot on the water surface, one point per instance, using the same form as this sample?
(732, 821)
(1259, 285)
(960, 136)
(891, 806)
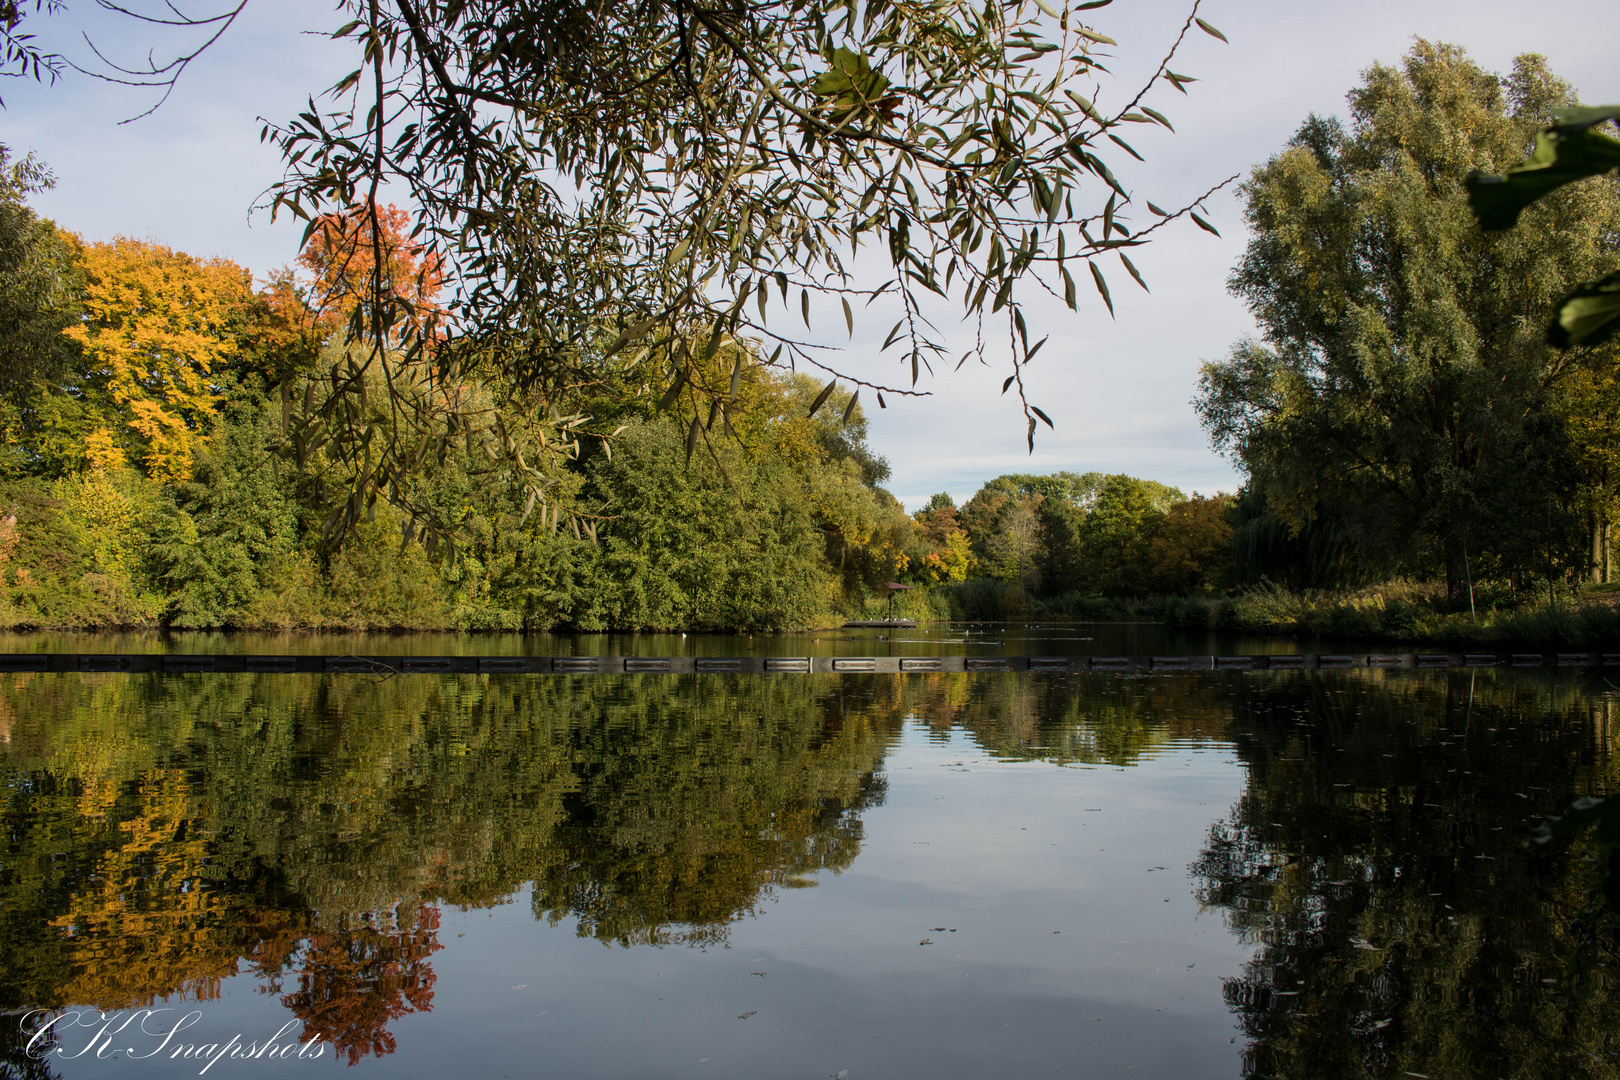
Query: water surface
(1193, 875)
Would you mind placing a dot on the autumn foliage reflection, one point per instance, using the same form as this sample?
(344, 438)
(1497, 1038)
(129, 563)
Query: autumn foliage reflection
(349, 983)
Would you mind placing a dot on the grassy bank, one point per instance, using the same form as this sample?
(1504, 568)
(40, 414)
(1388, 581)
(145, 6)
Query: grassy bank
(1406, 612)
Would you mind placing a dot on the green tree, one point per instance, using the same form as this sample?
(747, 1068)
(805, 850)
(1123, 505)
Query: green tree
(981, 515)
(652, 170)
(1097, 540)
(1402, 389)
(838, 426)
(695, 163)
(78, 553)
(1571, 148)
(1191, 549)
(1115, 534)
(727, 542)
(239, 530)
(1014, 549)
(39, 285)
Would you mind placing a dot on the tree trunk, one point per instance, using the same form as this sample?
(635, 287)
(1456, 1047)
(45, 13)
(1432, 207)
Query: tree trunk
(1468, 571)
(1595, 571)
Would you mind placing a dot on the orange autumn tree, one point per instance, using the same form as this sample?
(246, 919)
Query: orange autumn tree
(154, 331)
(341, 253)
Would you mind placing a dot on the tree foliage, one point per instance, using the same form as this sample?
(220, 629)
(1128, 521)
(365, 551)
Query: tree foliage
(638, 182)
(623, 188)
(155, 335)
(1072, 536)
(1402, 389)
(1567, 150)
(39, 279)
(777, 523)
(342, 254)
(145, 482)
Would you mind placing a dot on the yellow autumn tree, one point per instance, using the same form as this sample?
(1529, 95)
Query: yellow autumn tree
(155, 331)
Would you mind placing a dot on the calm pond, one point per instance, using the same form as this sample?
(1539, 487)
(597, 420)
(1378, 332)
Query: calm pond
(1311, 874)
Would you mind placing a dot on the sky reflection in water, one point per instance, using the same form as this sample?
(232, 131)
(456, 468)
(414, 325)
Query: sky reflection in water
(1197, 875)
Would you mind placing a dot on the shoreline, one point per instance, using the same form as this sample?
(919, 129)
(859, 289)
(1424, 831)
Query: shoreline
(1484, 640)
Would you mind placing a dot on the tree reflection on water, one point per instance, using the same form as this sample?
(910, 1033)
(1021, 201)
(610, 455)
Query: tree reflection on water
(160, 831)
(1375, 862)
(163, 833)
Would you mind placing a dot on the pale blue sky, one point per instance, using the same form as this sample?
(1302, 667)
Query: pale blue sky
(1118, 391)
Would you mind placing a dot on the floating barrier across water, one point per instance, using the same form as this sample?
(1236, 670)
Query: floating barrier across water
(618, 665)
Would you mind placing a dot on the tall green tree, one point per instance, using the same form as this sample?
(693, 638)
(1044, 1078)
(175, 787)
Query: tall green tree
(1401, 386)
(1097, 529)
(239, 529)
(713, 543)
(1115, 534)
(39, 285)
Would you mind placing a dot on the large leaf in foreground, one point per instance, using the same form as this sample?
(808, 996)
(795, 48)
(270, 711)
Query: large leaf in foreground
(1588, 316)
(1560, 158)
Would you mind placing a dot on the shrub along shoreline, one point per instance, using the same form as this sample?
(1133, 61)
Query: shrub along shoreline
(1395, 612)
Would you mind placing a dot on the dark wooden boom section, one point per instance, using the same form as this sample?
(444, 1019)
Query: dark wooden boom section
(172, 663)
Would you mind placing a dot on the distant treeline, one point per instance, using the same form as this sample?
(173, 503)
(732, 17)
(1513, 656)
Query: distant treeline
(1059, 544)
